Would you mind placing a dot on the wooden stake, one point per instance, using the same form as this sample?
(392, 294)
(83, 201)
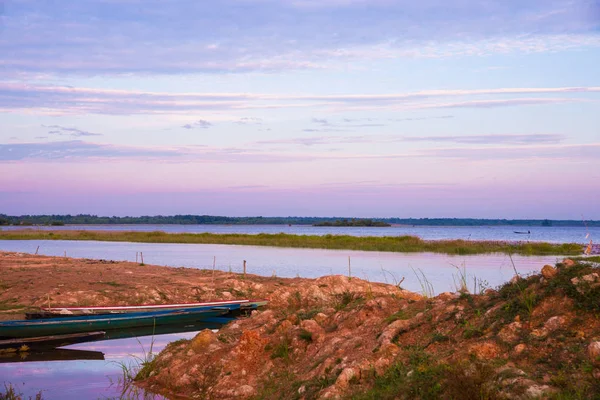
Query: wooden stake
(142, 257)
(213, 274)
(65, 253)
(136, 257)
(349, 269)
(244, 267)
(36, 250)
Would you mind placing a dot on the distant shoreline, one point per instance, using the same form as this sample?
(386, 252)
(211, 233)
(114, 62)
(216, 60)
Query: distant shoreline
(400, 244)
(61, 220)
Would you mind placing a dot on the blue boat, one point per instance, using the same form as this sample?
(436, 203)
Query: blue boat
(79, 324)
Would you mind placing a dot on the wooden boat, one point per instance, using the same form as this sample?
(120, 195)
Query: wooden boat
(53, 312)
(91, 323)
(50, 342)
(522, 232)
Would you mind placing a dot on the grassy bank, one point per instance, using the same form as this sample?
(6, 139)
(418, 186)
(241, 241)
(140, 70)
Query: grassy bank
(400, 244)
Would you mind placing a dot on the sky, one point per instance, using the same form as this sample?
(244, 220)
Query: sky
(358, 108)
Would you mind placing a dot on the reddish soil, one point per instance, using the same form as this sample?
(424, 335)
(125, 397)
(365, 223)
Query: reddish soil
(335, 337)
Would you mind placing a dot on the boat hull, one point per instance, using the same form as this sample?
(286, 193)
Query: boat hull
(58, 326)
(57, 312)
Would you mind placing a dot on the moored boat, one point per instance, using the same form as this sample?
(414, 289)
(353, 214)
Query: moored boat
(53, 312)
(78, 324)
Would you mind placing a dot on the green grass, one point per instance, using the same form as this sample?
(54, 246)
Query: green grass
(10, 393)
(423, 378)
(402, 244)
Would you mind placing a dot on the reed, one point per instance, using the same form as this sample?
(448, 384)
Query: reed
(402, 244)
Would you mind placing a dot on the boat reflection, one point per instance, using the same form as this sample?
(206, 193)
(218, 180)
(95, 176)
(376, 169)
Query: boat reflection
(50, 355)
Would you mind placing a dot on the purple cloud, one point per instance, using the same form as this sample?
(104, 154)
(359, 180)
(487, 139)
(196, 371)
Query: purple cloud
(68, 100)
(66, 131)
(201, 124)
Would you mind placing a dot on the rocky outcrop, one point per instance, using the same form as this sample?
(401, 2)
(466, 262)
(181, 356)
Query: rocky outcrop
(332, 337)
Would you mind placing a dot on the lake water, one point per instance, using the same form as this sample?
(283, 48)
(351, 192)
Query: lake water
(93, 379)
(505, 233)
(87, 378)
(440, 269)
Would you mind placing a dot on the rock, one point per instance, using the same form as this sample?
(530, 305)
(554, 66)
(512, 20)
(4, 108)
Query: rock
(310, 325)
(485, 350)
(586, 282)
(381, 365)
(539, 333)
(284, 327)
(549, 272)
(320, 318)
(511, 332)
(397, 327)
(184, 380)
(593, 351)
(347, 374)
(554, 323)
(519, 349)
(536, 391)
(302, 389)
(445, 296)
(244, 391)
(202, 340)
(568, 263)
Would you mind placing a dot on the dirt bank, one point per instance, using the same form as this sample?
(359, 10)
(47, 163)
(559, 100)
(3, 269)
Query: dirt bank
(30, 281)
(335, 337)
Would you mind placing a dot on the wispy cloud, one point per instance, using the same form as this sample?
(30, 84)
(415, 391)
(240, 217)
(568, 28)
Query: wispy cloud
(202, 124)
(238, 35)
(421, 118)
(462, 139)
(73, 151)
(249, 121)
(69, 100)
(345, 124)
(68, 131)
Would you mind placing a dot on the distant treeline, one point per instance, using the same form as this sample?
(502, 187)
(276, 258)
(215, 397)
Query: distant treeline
(353, 222)
(220, 220)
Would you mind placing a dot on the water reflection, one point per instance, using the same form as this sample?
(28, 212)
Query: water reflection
(50, 355)
(93, 369)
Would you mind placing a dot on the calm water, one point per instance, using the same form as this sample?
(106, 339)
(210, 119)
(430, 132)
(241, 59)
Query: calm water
(85, 379)
(439, 269)
(539, 234)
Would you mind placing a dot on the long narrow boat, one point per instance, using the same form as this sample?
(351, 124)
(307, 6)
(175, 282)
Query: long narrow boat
(67, 325)
(52, 312)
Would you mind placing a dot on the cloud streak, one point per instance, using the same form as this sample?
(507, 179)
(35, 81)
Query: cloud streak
(69, 100)
(73, 151)
(461, 139)
(67, 131)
